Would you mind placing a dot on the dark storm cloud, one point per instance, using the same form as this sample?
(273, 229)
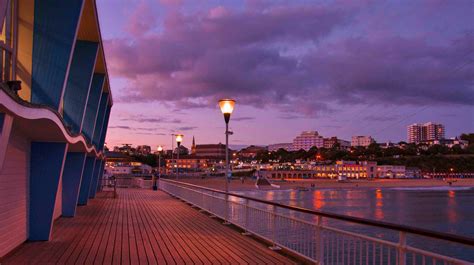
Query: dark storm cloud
(242, 118)
(186, 128)
(154, 119)
(300, 59)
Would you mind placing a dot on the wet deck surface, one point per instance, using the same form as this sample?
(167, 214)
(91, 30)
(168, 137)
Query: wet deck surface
(143, 227)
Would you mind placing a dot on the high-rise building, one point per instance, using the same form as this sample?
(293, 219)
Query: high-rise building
(361, 140)
(308, 139)
(429, 131)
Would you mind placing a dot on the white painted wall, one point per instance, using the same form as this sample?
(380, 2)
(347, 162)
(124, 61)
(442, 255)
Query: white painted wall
(14, 193)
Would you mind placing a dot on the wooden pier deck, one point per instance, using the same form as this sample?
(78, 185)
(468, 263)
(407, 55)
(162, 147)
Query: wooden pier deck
(143, 227)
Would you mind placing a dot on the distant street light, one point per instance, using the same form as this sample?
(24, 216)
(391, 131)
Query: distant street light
(179, 140)
(227, 107)
(159, 149)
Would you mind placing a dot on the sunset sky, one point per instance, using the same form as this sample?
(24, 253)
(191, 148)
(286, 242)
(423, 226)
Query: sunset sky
(342, 68)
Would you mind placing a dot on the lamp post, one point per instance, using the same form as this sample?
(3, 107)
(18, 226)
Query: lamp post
(227, 107)
(172, 150)
(159, 149)
(179, 139)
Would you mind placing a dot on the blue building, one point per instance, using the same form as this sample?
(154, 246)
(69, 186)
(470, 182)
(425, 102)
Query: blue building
(55, 102)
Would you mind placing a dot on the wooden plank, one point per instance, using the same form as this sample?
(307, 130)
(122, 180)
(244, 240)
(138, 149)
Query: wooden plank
(143, 227)
(100, 254)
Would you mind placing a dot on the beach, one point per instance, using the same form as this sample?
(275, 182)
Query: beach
(249, 184)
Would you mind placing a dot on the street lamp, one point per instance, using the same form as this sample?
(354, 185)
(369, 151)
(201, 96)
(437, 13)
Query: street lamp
(159, 149)
(227, 107)
(179, 140)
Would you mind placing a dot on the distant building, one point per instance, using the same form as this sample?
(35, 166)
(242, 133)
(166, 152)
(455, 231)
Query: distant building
(143, 149)
(391, 171)
(211, 150)
(182, 150)
(361, 140)
(413, 172)
(417, 133)
(451, 142)
(276, 147)
(343, 169)
(334, 141)
(188, 163)
(193, 147)
(252, 151)
(306, 140)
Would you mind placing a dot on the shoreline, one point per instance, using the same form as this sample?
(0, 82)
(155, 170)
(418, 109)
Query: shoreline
(249, 184)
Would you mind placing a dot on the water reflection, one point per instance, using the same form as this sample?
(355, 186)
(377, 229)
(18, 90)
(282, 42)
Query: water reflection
(379, 214)
(452, 211)
(318, 200)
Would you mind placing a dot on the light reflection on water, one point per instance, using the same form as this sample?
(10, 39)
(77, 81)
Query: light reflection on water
(440, 209)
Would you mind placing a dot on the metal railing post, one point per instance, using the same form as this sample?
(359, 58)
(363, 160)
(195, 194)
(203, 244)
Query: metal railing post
(246, 220)
(274, 231)
(226, 210)
(319, 240)
(402, 248)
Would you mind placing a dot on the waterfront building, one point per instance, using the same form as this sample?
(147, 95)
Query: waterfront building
(345, 169)
(361, 140)
(306, 140)
(413, 172)
(117, 163)
(55, 102)
(211, 150)
(190, 163)
(127, 169)
(391, 171)
(276, 147)
(417, 133)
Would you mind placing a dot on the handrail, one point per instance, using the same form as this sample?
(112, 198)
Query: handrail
(403, 228)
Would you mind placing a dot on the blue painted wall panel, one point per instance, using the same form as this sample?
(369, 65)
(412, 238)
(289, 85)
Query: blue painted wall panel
(78, 83)
(100, 119)
(95, 179)
(46, 166)
(87, 174)
(104, 128)
(101, 175)
(92, 105)
(55, 26)
(72, 176)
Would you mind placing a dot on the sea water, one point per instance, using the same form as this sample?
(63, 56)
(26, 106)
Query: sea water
(443, 209)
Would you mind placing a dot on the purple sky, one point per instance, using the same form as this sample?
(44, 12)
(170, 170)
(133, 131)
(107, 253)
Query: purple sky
(342, 68)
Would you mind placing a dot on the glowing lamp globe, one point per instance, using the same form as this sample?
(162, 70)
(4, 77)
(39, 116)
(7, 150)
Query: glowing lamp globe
(227, 107)
(179, 139)
(160, 148)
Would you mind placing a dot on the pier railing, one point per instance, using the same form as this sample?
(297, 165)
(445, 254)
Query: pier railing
(325, 238)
